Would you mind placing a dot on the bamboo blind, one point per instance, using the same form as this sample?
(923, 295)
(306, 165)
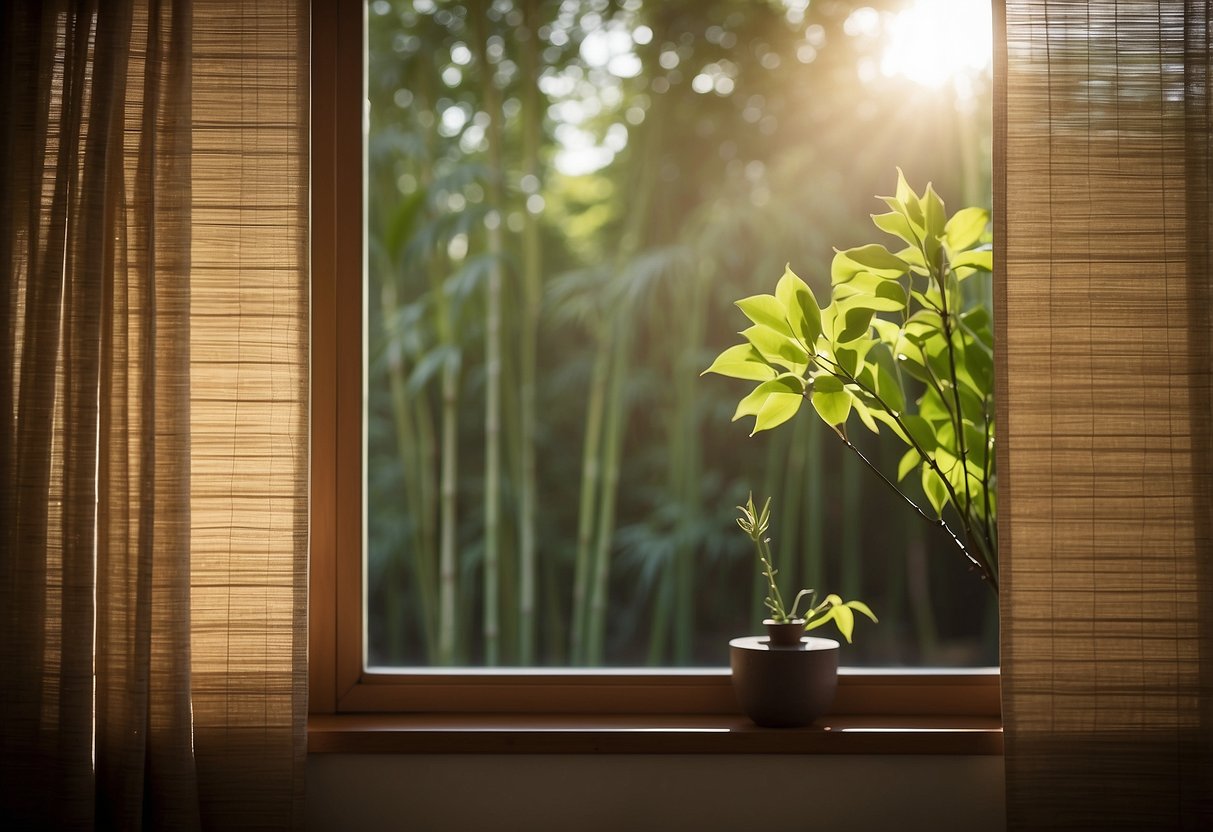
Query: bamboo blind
(1102, 183)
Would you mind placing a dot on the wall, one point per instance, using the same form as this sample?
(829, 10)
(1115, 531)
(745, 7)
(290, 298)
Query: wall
(585, 793)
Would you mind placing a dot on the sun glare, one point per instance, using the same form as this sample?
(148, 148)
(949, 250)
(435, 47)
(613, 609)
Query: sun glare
(934, 42)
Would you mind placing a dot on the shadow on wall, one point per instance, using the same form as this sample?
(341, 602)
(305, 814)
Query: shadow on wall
(668, 793)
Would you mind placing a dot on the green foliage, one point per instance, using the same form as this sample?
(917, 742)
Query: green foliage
(899, 345)
(755, 523)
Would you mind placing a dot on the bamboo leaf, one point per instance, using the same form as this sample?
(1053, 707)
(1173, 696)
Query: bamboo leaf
(742, 361)
(909, 461)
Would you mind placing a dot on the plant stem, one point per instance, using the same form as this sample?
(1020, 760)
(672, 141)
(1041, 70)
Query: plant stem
(981, 558)
(987, 574)
(945, 320)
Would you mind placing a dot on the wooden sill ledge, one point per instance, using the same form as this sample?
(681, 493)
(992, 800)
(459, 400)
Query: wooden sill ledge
(647, 734)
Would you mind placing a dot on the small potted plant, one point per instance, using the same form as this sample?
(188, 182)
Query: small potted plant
(787, 679)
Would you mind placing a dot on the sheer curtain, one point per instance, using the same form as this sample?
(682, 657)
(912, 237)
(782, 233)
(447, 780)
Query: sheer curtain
(1107, 586)
(153, 401)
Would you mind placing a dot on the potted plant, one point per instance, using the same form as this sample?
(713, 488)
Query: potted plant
(787, 679)
(903, 345)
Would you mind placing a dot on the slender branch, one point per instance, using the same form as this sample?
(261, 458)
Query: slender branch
(958, 415)
(981, 565)
(926, 457)
(985, 482)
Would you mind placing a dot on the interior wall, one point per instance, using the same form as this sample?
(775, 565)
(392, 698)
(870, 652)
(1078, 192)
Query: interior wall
(780, 793)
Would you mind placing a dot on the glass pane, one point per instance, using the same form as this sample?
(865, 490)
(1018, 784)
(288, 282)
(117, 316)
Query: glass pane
(564, 201)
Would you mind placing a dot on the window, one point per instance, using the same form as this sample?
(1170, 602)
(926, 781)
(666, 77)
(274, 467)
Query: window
(751, 133)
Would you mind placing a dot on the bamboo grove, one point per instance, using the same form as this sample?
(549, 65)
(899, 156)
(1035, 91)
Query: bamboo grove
(564, 198)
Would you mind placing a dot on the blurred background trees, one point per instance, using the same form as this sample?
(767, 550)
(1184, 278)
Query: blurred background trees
(564, 199)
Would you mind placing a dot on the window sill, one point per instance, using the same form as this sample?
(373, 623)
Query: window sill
(647, 734)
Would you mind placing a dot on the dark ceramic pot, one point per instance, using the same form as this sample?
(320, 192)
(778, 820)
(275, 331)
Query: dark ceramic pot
(784, 679)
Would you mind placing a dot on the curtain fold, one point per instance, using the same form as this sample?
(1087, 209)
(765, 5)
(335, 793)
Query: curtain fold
(153, 436)
(1104, 326)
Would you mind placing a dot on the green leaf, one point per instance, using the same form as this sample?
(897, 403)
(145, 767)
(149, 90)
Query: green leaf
(909, 201)
(977, 321)
(845, 619)
(982, 259)
(860, 606)
(766, 310)
(742, 361)
(965, 228)
(777, 348)
(804, 314)
(777, 409)
(822, 618)
(831, 400)
(870, 258)
(851, 357)
(871, 292)
(865, 414)
(856, 322)
(887, 384)
(752, 404)
(933, 213)
(920, 430)
(882, 416)
(895, 223)
(936, 491)
(908, 463)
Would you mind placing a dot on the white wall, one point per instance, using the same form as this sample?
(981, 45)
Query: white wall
(587, 793)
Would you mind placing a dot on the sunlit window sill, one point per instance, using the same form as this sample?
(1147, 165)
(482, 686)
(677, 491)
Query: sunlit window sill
(648, 734)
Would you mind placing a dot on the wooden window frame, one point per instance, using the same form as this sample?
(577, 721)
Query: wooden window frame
(338, 683)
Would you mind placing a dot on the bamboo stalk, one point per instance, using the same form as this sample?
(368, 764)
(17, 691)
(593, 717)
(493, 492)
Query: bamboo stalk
(492, 342)
(408, 449)
(590, 483)
(447, 459)
(611, 452)
(688, 463)
(532, 117)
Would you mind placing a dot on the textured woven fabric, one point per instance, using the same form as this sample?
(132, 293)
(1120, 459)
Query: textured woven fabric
(153, 433)
(1102, 182)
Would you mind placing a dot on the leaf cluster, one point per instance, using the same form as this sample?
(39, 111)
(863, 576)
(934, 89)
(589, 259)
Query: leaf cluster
(901, 346)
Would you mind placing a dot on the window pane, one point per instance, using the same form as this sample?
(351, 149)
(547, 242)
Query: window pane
(564, 201)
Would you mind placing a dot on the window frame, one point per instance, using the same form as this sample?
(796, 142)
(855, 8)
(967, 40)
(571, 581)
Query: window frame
(338, 683)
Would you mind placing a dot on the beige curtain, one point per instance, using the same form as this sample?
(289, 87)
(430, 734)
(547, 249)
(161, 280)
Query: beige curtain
(153, 436)
(1107, 586)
